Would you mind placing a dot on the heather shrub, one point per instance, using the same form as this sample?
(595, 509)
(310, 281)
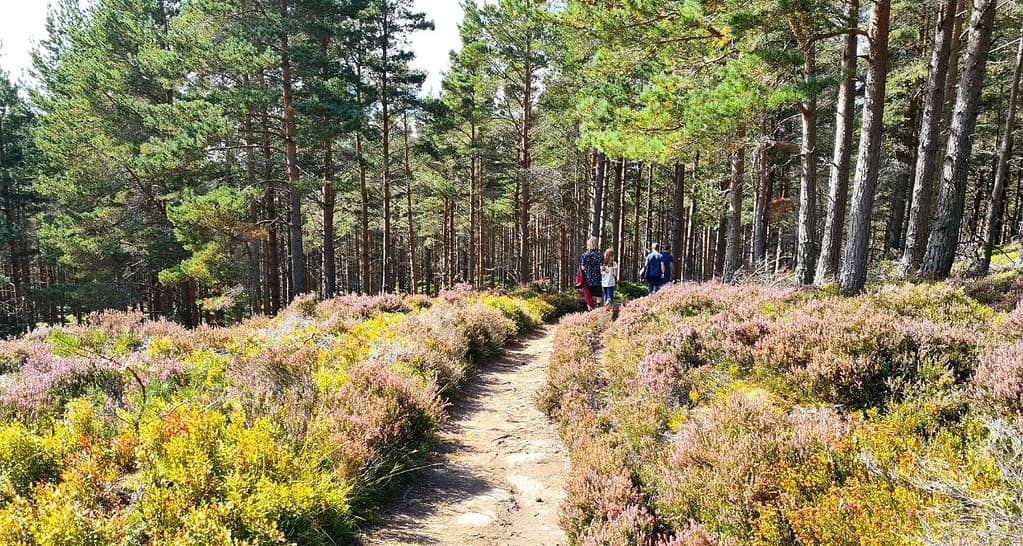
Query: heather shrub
(980, 500)
(46, 381)
(13, 354)
(277, 383)
(524, 316)
(209, 473)
(728, 460)
(856, 355)
(111, 323)
(430, 345)
(358, 306)
(380, 412)
(276, 430)
(563, 303)
(50, 519)
(715, 414)
(575, 366)
(695, 534)
(457, 293)
(939, 302)
(999, 378)
(1001, 291)
(1008, 327)
(604, 506)
(485, 328)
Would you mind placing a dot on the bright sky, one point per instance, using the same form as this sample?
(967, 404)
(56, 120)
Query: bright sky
(22, 24)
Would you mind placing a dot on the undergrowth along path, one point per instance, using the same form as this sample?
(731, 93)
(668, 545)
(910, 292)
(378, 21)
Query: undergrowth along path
(498, 474)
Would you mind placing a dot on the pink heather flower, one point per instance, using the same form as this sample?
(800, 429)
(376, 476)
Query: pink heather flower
(999, 378)
(46, 379)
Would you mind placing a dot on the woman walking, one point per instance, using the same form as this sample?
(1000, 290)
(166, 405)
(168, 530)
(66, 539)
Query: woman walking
(589, 264)
(609, 276)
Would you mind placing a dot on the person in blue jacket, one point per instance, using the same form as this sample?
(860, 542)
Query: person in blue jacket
(658, 268)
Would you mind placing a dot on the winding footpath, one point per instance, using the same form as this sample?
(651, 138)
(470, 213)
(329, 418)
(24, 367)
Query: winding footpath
(498, 475)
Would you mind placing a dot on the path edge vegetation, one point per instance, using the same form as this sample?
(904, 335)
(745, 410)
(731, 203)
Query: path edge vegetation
(294, 428)
(722, 415)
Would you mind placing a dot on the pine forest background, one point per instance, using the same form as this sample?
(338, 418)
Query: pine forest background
(208, 160)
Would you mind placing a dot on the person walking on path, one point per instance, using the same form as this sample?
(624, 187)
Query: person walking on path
(657, 269)
(589, 264)
(669, 266)
(609, 276)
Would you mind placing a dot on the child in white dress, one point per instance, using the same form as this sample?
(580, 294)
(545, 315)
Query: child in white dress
(609, 276)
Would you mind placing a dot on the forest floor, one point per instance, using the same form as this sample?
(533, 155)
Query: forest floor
(498, 474)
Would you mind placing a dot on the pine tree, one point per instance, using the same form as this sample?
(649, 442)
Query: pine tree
(948, 214)
(853, 275)
(18, 203)
(388, 24)
(930, 125)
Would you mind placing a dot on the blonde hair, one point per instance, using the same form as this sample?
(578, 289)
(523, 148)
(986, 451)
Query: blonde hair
(592, 243)
(609, 256)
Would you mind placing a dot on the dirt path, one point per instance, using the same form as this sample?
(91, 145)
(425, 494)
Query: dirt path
(498, 475)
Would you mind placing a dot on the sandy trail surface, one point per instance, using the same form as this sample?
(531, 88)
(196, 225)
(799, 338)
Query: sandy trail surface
(498, 474)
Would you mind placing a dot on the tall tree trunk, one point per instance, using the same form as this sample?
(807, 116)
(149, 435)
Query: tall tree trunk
(973, 225)
(650, 207)
(841, 157)
(692, 265)
(366, 277)
(329, 203)
(271, 252)
(894, 228)
(366, 283)
(930, 134)
(955, 52)
(944, 239)
(996, 207)
(291, 156)
(15, 251)
(452, 242)
(707, 256)
(636, 244)
(481, 224)
(597, 194)
(720, 246)
(853, 273)
(329, 206)
(763, 196)
(527, 164)
(677, 211)
(474, 249)
(260, 301)
(409, 219)
(619, 244)
(695, 264)
(901, 202)
(616, 201)
(387, 254)
(806, 253)
(1005, 219)
(1011, 229)
(446, 241)
(733, 252)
